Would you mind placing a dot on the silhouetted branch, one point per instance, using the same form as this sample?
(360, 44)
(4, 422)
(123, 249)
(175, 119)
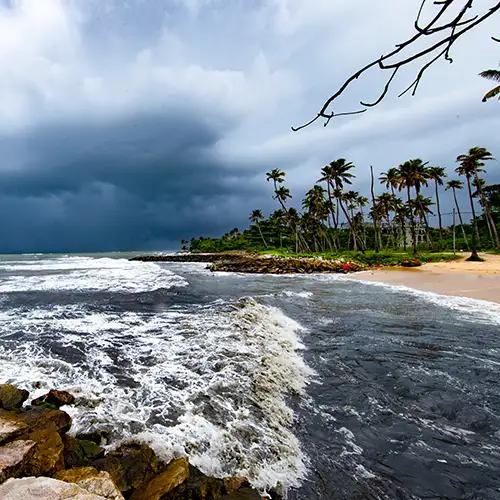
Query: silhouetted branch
(451, 29)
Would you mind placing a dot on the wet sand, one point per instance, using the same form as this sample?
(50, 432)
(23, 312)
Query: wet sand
(477, 280)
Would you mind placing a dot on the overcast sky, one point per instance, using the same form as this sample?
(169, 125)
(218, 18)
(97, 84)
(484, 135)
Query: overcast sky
(130, 124)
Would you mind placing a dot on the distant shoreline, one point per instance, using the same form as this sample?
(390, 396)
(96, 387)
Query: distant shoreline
(476, 280)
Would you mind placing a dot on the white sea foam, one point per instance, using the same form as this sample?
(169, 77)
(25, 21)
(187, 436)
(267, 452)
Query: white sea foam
(209, 382)
(86, 274)
(474, 309)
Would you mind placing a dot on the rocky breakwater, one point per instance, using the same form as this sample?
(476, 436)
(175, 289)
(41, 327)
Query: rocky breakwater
(283, 265)
(39, 459)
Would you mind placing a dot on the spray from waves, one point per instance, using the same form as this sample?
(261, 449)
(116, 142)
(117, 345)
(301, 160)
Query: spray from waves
(210, 382)
(85, 274)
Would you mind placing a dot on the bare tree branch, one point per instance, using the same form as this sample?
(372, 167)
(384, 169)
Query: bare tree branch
(452, 29)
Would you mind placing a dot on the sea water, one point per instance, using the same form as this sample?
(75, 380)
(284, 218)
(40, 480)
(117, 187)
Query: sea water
(323, 386)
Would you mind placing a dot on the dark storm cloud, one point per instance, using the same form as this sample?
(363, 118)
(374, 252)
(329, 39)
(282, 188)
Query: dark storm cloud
(118, 185)
(133, 124)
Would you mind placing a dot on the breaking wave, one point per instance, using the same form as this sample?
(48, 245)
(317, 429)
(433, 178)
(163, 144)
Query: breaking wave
(85, 274)
(207, 381)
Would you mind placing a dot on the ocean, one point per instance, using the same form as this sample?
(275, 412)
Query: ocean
(329, 387)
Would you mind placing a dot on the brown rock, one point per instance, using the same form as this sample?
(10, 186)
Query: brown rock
(73, 452)
(173, 476)
(232, 484)
(54, 398)
(14, 457)
(243, 494)
(46, 488)
(88, 478)
(48, 457)
(9, 428)
(38, 419)
(130, 466)
(11, 397)
(198, 487)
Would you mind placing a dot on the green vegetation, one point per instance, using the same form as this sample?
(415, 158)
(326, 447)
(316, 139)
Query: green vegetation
(337, 221)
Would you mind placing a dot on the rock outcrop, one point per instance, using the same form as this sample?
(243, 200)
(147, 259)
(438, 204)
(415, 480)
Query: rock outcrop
(55, 399)
(46, 488)
(90, 479)
(14, 458)
(34, 442)
(11, 397)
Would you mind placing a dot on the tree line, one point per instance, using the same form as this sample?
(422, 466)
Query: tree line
(335, 217)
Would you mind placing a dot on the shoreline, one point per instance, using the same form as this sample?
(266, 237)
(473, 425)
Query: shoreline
(474, 280)
(456, 278)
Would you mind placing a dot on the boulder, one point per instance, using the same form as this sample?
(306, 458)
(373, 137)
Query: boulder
(232, 484)
(48, 456)
(130, 466)
(9, 428)
(243, 494)
(199, 487)
(90, 479)
(164, 483)
(40, 419)
(14, 457)
(73, 452)
(46, 488)
(11, 397)
(54, 398)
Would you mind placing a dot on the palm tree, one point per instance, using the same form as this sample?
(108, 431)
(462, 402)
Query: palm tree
(491, 74)
(282, 194)
(390, 178)
(317, 213)
(437, 174)
(412, 175)
(335, 174)
(255, 217)
(454, 185)
(471, 165)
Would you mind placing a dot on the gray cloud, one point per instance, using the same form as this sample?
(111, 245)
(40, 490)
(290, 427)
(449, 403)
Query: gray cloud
(129, 125)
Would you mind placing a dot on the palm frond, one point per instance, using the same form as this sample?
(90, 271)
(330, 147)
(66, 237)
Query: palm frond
(492, 93)
(491, 74)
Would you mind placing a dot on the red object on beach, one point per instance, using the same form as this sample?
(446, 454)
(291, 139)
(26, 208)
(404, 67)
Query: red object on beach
(346, 267)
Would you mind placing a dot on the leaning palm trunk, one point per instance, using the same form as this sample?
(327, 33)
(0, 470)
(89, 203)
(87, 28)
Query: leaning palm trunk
(261, 235)
(487, 211)
(460, 219)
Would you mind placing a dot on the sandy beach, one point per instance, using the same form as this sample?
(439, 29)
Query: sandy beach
(477, 280)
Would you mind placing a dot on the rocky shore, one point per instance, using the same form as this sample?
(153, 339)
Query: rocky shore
(259, 264)
(40, 459)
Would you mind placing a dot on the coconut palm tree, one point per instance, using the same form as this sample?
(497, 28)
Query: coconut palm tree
(390, 178)
(491, 74)
(437, 174)
(255, 217)
(471, 164)
(454, 185)
(412, 175)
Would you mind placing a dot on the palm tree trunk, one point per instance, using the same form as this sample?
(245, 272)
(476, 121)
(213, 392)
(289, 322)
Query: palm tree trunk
(460, 218)
(261, 235)
(375, 218)
(439, 211)
(412, 222)
(488, 214)
(475, 233)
